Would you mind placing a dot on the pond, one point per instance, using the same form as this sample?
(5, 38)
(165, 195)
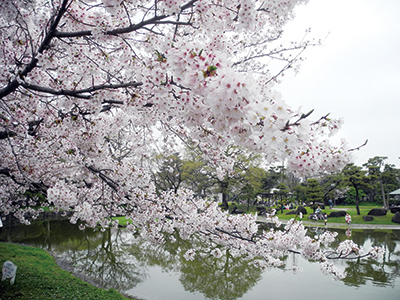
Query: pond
(115, 259)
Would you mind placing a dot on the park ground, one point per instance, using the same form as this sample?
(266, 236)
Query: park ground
(357, 221)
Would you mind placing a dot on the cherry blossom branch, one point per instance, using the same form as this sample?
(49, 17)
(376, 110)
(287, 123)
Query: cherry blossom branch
(359, 147)
(111, 183)
(152, 21)
(351, 255)
(55, 20)
(297, 122)
(78, 93)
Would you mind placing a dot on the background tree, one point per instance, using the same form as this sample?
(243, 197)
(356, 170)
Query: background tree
(281, 193)
(247, 193)
(351, 195)
(329, 184)
(197, 177)
(314, 193)
(374, 166)
(390, 179)
(170, 172)
(300, 193)
(245, 171)
(358, 179)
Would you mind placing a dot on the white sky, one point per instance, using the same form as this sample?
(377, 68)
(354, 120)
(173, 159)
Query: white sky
(355, 74)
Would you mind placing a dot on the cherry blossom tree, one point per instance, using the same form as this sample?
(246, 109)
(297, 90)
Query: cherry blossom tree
(87, 87)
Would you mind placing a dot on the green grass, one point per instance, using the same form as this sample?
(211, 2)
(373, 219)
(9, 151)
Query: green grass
(351, 209)
(39, 277)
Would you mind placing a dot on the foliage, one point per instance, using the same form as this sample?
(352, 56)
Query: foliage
(351, 195)
(300, 193)
(384, 179)
(39, 277)
(358, 179)
(273, 176)
(169, 174)
(314, 192)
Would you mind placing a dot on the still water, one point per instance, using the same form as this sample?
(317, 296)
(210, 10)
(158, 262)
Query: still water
(115, 259)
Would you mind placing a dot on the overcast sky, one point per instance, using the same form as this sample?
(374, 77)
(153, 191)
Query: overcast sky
(355, 74)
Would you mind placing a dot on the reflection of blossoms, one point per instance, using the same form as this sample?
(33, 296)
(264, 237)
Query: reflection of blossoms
(376, 252)
(329, 268)
(190, 254)
(216, 253)
(348, 247)
(297, 269)
(327, 237)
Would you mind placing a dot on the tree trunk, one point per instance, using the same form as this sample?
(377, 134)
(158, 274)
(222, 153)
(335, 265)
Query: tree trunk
(383, 195)
(357, 202)
(225, 201)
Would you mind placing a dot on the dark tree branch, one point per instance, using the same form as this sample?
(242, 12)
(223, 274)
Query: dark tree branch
(111, 183)
(82, 93)
(55, 20)
(359, 147)
(6, 134)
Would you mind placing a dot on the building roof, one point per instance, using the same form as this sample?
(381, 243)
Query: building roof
(396, 192)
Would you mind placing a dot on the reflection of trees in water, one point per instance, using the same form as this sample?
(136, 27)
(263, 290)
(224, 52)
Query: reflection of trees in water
(225, 278)
(104, 260)
(48, 235)
(115, 259)
(228, 277)
(380, 273)
(383, 272)
(97, 256)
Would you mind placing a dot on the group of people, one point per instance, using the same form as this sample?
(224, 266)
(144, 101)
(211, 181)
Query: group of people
(347, 217)
(319, 211)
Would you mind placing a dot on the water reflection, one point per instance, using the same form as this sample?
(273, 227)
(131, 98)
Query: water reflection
(225, 278)
(116, 259)
(98, 256)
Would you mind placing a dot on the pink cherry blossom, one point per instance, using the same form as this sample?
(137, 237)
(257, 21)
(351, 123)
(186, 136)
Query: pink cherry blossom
(89, 90)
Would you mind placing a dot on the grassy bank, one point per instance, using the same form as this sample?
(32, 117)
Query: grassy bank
(39, 277)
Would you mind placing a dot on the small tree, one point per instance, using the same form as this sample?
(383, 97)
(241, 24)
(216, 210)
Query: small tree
(300, 193)
(281, 191)
(357, 178)
(314, 192)
(247, 193)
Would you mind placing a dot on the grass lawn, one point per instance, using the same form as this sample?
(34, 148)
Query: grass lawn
(351, 209)
(39, 277)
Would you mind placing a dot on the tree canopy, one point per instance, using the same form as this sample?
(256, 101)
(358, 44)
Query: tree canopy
(89, 88)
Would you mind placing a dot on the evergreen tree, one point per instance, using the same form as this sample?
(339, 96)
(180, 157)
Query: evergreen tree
(314, 193)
